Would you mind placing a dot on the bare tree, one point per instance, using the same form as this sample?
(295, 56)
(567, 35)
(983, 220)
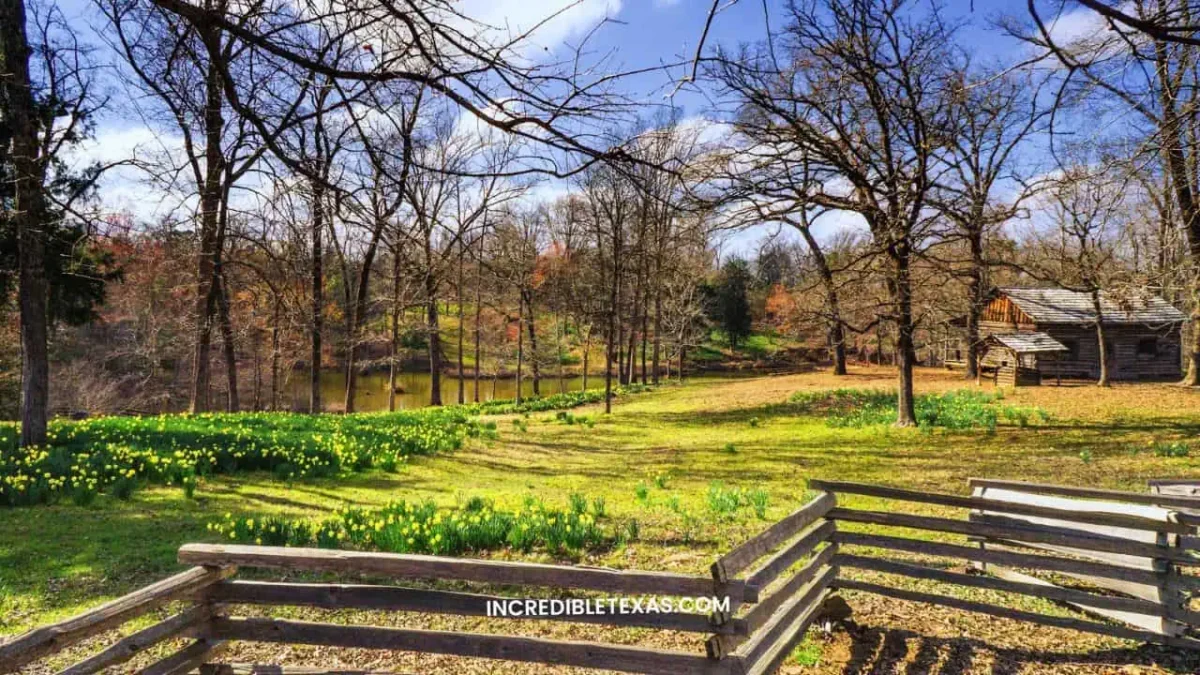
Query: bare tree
(1140, 60)
(994, 115)
(861, 94)
(48, 96)
(1081, 250)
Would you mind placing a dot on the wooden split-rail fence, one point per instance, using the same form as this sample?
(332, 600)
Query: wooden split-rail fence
(1128, 557)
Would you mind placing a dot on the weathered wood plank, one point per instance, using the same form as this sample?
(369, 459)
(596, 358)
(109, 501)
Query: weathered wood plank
(746, 553)
(475, 645)
(1048, 591)
(462, 569)
(1041, 562)
(274, 669)
(772, 658)
(797, 590)
(1016, 614)
(761, 612)
(1126, 557)
(999, 505)
(1023, 533)
(132, 645)
(1149, 499)
(184, 660)
(810, 598)
(770, 569)
(393, 598)
(1155, 622)
(39, 642)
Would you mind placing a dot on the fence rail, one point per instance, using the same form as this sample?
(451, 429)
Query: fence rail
(1134, 546)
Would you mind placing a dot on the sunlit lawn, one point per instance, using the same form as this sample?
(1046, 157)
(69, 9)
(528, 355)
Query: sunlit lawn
(57, 560)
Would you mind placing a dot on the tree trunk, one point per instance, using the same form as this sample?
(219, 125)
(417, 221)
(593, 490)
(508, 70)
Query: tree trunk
(558, 331)
(977, 292)
(275, 355)
(533, 348)
(609, 356)
(317, 293)
(478, 311)
(906, 415)
(210, 205)
(1101, 343)
(28, 210)
(1192, 378)
(394, 344)
(462, 375)
(622, 357)
(587, 349)
(1175, 148)
(645, 328)
(654, 367)
(837, 332)
(257, 406)
(520, 341)
(233, 402)
(358, 312)
(435, 339)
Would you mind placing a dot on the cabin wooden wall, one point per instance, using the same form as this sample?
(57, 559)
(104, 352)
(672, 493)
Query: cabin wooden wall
(1125, 362)
(1001, 310)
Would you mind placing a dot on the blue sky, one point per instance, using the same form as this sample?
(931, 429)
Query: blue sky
(641, 33)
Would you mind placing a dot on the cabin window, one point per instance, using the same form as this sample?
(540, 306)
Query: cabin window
(1147, 347)
(958, 355)
(1072, 353)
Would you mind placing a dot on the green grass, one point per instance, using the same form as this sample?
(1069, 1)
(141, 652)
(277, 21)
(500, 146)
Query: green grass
(960, 409)
(121, 454)
(677, 471)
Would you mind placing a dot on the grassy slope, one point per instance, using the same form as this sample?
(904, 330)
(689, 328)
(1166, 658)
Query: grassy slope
(56, 560)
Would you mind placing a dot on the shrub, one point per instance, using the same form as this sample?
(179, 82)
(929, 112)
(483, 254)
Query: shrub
(956, 410)
(1172, 449)
(725, 503)
(117, 454)
(406, 527)
(642, 492)
(758, 501)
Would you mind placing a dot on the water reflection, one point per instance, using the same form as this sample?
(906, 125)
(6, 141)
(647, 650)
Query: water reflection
(413, 390)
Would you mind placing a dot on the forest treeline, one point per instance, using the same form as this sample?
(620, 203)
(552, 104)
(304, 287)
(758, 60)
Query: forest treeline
(374, 185)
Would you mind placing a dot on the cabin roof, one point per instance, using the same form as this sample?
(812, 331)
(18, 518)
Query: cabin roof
(1029, 343)
(1061, 306)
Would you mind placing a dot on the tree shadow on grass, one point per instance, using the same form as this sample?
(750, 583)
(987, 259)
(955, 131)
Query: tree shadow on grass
(877, 650)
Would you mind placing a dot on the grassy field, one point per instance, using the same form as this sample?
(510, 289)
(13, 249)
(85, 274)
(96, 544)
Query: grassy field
(667, 460)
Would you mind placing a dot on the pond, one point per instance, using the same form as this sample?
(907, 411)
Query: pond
(372, 394)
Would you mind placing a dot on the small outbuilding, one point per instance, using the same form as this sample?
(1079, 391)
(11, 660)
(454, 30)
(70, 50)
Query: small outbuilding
(1051, 332)
(1013, 357)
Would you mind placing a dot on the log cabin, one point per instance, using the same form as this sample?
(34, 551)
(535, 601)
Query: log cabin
(1032, 333)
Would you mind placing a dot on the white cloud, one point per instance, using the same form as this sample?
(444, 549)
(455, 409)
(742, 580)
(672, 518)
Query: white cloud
(114, 144)
(124, 189)
(564, 19)
(1075, 25)
(663, 4)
